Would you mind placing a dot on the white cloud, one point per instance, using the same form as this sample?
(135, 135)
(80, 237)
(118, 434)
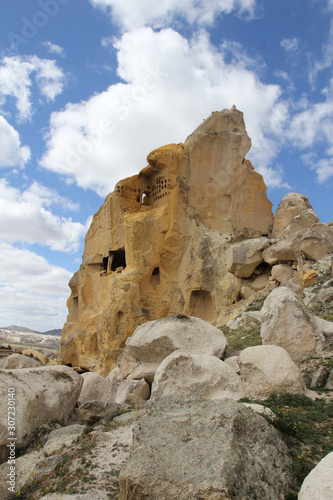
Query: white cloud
(26, 217)
(163, 12)
(32, 291)
(11, 152)
(53, 48)
(290, 45)
(19, 73)
(171, 85)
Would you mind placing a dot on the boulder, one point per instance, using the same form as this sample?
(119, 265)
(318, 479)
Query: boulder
(289, 207)
(132, 392)
(283, 250)
(96, 411)
(233, 362)
(192, 447)
(185, 373)
(95, 387)
(319, 377)
(326, 330)
(304, 220)
(41, 394)
(319, 483)
(260, 283)
(15, 361)
(286, 322)
(325, 295)
(39, 355)
(63, 437)
(152, 342)
(244, 257)
(317, 242)
(281, 272)
(267, 369)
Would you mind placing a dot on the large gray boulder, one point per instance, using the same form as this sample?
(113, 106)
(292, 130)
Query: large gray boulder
(185, 373)
(152, 342)
(288, 323)
(304, 220)
(244, 257)
(95, 387)
(317, 242)
(190, 447)
(292, 205)
(41, 394)
(319, 483)
(267, 369)
(15, 361)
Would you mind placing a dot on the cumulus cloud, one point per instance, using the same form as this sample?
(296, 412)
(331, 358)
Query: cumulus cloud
(26, 217)
(163, 13)
(53, 48)
(18, 74)
(170, 84)
(11, 152)
(290, 45)
(40, 289)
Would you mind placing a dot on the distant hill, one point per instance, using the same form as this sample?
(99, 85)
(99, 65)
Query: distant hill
(23, 329)
(18, 329)
(57, 331)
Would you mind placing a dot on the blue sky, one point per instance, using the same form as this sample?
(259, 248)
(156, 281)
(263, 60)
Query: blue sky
(89, 87)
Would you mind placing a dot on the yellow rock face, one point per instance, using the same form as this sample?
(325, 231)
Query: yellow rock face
(157, 245)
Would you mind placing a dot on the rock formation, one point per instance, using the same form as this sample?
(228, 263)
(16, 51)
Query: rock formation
(204, 449)
(192, 234)
(155, 247)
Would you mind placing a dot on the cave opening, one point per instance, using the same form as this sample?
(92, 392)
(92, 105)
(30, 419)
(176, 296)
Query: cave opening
(118, 259)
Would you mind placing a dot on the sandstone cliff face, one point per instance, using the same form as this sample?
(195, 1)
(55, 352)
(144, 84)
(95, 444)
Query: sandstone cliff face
(156, 246)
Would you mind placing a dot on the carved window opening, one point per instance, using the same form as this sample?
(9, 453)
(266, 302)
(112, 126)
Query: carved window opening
(118, 259)
(202, 305)
(155, 276)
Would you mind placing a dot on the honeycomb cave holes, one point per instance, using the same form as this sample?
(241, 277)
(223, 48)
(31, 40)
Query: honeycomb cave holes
(155, 276)
(202, 305)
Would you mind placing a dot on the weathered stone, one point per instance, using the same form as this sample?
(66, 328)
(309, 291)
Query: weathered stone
(319, 377)
(304, 220)
(185, 373)
(167, 228)
(95, 388)
(289, 207)
(319, 483)
(152, 342)
(41, 394)
(39, 355)
(95, 411)
(260, 283)
(286, 322)
(233, 362)
(132, 392)
(326, 294)
(317, 242)
(329, 382)
(205, 449)
(284, 250)
(63, 437)
(267, 369)
(19, 361)
(281, 272)
(244, 257)
(309, 277)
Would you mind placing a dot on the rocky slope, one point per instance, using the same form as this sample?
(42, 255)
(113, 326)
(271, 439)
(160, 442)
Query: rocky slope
(212, 325)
